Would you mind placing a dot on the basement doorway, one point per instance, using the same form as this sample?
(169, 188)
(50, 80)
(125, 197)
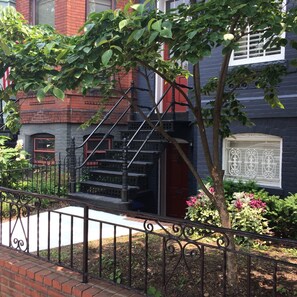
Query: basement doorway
(177, 182)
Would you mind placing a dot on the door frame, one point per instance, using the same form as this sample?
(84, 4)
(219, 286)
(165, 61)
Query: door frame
(159, 82)
(162, 188)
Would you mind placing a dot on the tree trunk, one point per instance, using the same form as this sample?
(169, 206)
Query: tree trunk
(232, 267)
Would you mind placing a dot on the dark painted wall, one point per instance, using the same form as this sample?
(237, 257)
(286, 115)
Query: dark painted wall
(278, 122)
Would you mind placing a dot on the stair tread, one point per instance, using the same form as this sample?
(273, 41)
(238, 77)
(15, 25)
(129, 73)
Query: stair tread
(110, 185)
(96, 197)
(134, 151)
(116, 172)
(120, 161)
(149, 140)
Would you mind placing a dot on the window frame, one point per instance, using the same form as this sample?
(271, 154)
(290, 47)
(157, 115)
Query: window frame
(87, 3)
(34, 13)
(87, 151)
(248, 137)
(263, 58)
(258, 59)
(51, 151)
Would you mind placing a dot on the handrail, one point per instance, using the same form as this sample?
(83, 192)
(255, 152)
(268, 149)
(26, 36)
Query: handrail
(148, 136)
(104, 137)
(130, 89)
(149, 114)
(105, 117)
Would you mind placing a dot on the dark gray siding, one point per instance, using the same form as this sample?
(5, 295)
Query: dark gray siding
(278, 122)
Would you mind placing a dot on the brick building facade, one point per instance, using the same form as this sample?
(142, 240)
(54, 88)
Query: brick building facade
(52, 121)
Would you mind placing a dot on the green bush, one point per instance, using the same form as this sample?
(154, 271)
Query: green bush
(278, 216)
(282, 215)
(231, 187)
(246, 211)
(11, 161)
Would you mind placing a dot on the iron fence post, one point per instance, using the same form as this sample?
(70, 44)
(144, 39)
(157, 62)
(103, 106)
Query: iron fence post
(86, 245)
(72, 167)
(59, 174)
(124, 194)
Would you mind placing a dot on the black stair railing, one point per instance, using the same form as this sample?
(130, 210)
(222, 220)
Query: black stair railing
(73, 148)
(126, 164)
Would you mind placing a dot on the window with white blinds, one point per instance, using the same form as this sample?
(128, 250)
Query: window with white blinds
(253, 157)
(250, 50)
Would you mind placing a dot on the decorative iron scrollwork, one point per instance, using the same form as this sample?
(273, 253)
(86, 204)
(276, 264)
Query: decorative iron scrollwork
(20, 206)
(188, 232)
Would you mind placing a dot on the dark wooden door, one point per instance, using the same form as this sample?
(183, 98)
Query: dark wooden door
(177, 189)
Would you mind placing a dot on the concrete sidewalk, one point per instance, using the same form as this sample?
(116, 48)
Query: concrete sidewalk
(21, 228)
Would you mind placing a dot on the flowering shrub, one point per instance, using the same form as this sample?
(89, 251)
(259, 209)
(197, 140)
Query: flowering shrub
(11, 159)
(200, 208)
(245, 209)
(247, 213)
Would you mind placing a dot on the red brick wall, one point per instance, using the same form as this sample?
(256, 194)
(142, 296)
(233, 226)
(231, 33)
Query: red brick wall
(69, 17)
(73, 109)
(69, 14)
(25, 276)
(24, 7)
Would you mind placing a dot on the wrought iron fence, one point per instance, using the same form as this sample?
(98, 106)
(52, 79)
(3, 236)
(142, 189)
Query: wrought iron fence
(49, 178)
(156, 255)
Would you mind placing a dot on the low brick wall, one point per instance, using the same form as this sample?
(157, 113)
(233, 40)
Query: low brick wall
(22, 275)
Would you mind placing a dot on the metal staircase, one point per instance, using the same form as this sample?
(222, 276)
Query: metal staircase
(104, 186)
(127, 176)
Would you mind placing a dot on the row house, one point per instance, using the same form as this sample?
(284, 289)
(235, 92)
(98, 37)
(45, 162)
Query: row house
(265, 153)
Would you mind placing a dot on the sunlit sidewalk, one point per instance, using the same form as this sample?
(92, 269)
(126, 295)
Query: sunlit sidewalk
(62, 222)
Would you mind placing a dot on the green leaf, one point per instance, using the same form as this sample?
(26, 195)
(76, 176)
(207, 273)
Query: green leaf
(150, 23)
(106, 57)
(153, 37)
(48, 48)
(87, 49)
(58, 93)
(40, 95)
(157, 26)
(89, 27)
(138, 34)
(5, 48)
(127, 6)
(117, 48)
(166, 33)
(123, 24)
(100, 41)
(47, 88)
(72, 59)
(138, 7)
(62, 54)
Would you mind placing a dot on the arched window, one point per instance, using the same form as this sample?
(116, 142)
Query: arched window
(253, 156)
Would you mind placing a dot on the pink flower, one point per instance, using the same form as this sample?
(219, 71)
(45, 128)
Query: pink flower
(211, 190)
(257, 203)
(192, 201)
(238, 204)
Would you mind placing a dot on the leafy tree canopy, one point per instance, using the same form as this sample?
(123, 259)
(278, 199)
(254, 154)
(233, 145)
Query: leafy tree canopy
(44, 61)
